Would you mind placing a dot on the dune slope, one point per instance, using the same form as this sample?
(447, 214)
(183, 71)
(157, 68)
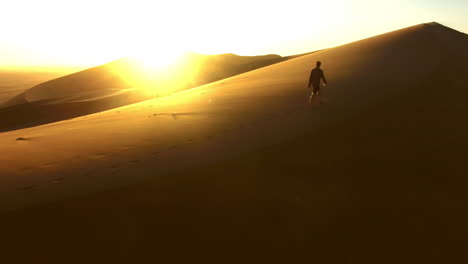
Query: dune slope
(243, 170)
(14, 81)
(121, 82)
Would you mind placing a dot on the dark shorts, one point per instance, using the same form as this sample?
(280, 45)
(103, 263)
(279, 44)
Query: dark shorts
(316, 88)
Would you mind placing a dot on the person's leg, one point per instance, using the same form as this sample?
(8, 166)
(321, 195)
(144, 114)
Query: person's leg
(315, 92)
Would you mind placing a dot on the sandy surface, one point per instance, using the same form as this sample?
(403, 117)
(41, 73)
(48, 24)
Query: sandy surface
(243, 170)
(118, 83)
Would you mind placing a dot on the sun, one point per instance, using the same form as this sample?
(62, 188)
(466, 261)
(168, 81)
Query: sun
(157, 70)
(159, 60)
(158, 56)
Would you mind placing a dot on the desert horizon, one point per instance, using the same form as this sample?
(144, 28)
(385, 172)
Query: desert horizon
(350, 150)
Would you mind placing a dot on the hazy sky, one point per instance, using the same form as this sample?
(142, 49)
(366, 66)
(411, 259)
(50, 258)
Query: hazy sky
(92, 32)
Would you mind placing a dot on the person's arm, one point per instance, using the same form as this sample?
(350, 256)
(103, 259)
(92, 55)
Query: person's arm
(323, 78)
(310, 79)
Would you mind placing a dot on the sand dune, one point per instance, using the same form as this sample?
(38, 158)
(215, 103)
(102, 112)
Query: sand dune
(244, 170)
(131, 73)
(14, 81)
(119, 83)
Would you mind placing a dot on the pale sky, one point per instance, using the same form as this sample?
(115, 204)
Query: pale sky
(93, 32)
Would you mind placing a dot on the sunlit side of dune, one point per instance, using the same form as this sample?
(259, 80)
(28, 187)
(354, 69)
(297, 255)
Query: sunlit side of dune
(243, 169)
(188, 71)
(119, 83)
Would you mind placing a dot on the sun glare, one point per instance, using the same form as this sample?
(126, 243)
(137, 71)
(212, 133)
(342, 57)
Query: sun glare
(158, 72)
(158, 60)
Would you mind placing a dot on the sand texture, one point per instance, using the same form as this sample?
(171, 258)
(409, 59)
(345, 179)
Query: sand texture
(243, 170)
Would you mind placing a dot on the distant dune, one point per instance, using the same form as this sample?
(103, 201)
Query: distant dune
(244, 170)
(119, 83)
(14, 81)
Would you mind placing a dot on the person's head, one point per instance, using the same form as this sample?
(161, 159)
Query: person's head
(318, 64)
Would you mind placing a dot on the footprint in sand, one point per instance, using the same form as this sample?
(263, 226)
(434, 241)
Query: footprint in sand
(26, 169)
(27, 188)
(57, 180)
(98, 156)
(22, 139)
(125, 148)
(49, 165)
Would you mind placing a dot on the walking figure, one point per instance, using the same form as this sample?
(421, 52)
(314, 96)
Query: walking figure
(316, 75)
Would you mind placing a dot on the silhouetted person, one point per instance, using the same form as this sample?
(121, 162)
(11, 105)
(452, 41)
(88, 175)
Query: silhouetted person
(316, 75)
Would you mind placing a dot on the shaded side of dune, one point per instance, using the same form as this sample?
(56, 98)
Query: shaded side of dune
(45, 111)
